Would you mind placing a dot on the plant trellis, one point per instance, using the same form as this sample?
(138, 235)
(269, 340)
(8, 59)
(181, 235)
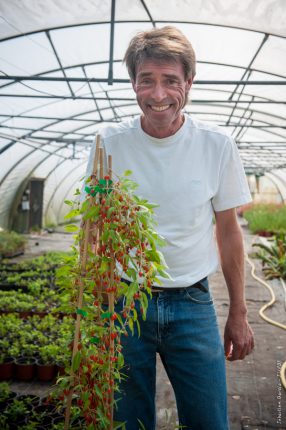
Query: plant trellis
(117, 236)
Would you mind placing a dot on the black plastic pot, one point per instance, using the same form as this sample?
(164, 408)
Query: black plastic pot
(7, 369)
(25, 368)
(45, 372)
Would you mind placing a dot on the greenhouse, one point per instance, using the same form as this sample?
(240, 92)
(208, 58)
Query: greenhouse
(62, 81)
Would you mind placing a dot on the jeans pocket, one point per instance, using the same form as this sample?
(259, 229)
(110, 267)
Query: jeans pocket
(199, 294)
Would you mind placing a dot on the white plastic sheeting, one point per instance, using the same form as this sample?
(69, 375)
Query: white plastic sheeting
(46, 127)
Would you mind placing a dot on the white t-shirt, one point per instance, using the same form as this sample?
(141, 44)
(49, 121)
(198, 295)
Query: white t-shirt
(190, 174)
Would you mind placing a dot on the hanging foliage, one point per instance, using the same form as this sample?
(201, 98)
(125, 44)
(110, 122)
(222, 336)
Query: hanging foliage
(117, 240)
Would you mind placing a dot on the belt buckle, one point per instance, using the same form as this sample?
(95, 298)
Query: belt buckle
(157, 290)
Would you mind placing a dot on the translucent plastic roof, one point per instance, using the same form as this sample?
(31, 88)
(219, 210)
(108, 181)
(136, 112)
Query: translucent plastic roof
(61, 77)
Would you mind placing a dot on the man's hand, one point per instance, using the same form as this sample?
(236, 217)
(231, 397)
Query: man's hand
(238, 337)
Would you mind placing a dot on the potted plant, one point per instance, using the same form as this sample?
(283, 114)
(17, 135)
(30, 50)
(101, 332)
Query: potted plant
(6, 395)
(25, 362)
(16, 413)
(3, 422)
(46, 367)
(6, 361)
(44, 415)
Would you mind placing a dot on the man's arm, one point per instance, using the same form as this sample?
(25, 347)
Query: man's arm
(238, 336)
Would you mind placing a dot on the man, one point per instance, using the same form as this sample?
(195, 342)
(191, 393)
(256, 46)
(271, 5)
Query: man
(193, 171)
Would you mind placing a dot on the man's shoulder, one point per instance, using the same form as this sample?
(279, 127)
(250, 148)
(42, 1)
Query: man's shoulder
(114, 130)
(207, 128)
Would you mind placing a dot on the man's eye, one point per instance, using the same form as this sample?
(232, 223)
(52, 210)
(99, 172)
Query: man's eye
(172, 82)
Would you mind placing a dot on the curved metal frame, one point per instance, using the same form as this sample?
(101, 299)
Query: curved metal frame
(238, 116)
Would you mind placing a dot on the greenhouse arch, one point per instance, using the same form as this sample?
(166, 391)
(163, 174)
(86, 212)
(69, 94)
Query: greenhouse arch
(62, 78)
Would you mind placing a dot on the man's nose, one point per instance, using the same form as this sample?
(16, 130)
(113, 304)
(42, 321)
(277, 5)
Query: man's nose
(159, 92)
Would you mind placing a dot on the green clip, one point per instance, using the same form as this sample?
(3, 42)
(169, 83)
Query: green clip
(103, 187)
(105, 183)
(81, 312)
(106, 315)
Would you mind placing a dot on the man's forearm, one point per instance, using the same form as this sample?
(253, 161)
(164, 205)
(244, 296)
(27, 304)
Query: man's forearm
(238, 336)
(231, 250)
(232, 262)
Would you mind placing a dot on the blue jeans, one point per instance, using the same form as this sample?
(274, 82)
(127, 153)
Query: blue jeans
(181, 326)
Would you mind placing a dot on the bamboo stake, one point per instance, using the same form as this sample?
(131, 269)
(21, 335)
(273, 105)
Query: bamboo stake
(83, 260)
(94, 175)
(101, 154)
(111, 310)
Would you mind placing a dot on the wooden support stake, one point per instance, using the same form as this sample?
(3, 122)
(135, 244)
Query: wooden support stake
(88, 237)
(111, 310)
(83, 261)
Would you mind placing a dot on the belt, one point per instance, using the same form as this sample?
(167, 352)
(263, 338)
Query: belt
(199, 284)
(157, 290)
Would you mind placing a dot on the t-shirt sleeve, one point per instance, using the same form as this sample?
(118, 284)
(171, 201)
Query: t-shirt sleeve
(233, 190)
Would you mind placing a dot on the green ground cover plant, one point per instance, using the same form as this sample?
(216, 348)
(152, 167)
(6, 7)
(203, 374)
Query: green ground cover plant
(41, 264)
(11, 243)
(48, 337)
(273, 257)
(32, 285)
(266, 218)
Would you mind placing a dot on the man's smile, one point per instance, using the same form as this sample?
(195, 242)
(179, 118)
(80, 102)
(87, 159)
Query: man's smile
(159, 108)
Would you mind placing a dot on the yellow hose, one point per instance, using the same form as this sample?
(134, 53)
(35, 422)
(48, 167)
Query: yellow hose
(265, 317)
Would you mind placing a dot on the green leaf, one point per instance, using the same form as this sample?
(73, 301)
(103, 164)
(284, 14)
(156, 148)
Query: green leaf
(110, 211)
(123, 287)
(103, 267)
(142, 427)
(69, 202)
(131, 273)
(97, 391)
(153, 255)
(119, 425)
(71, 228)
(92, 212)
(119, 318)
(164, 274)
(135, 315)
(127, 173)
(113, 236)
(131, 325)
(77, 192)
(72, 214)
(76, 361)
(138, 327)
(120, 361)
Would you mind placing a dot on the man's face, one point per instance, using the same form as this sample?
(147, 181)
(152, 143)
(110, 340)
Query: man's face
(161, 90)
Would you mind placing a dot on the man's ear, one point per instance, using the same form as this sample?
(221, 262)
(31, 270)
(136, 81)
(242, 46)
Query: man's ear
(189, 83)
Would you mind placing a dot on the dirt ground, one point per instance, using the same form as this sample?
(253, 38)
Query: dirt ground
(256, 398)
